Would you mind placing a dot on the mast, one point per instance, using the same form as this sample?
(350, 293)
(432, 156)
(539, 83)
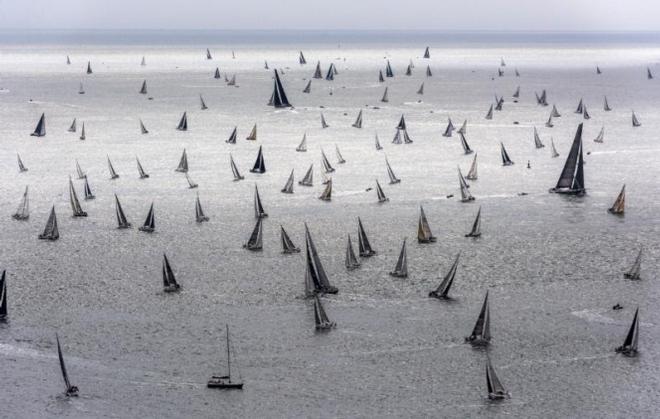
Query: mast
(571, 180)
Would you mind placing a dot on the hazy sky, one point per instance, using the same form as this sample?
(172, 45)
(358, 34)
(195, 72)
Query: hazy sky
(441, 15)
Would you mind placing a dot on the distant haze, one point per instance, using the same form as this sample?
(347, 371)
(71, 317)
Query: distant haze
(440, 15)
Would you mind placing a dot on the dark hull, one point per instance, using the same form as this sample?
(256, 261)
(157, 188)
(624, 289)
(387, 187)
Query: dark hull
(147, 229)
(577, 192)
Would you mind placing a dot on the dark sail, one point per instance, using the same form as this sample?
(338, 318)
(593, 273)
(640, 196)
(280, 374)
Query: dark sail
(495, 388)
(302, 147)
(259, 164)
(75, 203)
(401, 267)
(279, 99)
(466, 196)
(21, 166)
(537, 139)
(143, 89)
(183, 162)
(388, 70)
(601, 136)
(321, 319)
(390, 173)
(88, 190)
(288, 187)
(308, 87)
(200, 217)
(379, 192)
(40, 129)
(183, 123)
(351, 261)
(71, 390)
(428, 71)
(3, 296)
(330, 75)
(464, 143)
(323, 123)
(364, 246)
(635, 121)
(326, 163)
(309, 177)
(51, 232)
(169, 281)
(258, 207)
(301, 59)
(606, 106)
(629, 347)
(317, 73)
(381, 79)
(476, 226)
(143, 129)
(255, 242)
(481, 333)
(472, 174)
(233, 136)
(506, 160)
(427, 53)
(571, 180)
(555, 113)
(253, 133)
(635, 270)
(358, 120)
(287, 243)
(315, 275)
(150, 222)
(619, 206)
(111, 169)
(141, 172)
(327, 192)
(553, 148)
(385, 97)
(489, 115)
(202, 104)
(72, 127)
(442, 292)
(122, 222)
(89, 67)
(82, 132)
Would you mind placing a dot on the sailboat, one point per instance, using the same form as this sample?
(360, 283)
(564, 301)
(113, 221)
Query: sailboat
(253, 134)
(601, 135)
(72, 127)
(463, 128)
(191, 183)
(390, 173)
(88, 190)
(555, 113)
(89, 67)
(82, 132)
(499, 103)
(320, 317)
(255, 242)
(143, 129)
(442, 292)
(495, 388)
(323, 123)
(309, 176)
(288, 187)
(481, 333)
(68, 60)
(377, 142)
(232, 136)
(183, 122)
(549, 123)
(149, 225)
(287, 243)
(259, 165)
(340, 158)
(143, 89)
(330, 75)
(316, 280)
(3, 296)
(364, 246)
(183, 163)
(23, 211)
(232, 81)
(326, 163)
(427, 53)
(208, 54)
(580, 107)
(51, 232)
(424, 234)
(143, 62)
(111, 169)
(537, 139)
(598, 70)
(571, 180)
(381, 195)
(21, 166)
(619, 205)
(217, 75)
(629, 347)
(169, 281)
(466, 196)
(79, 171)
(649, 75)
(476, 226)
(326, 195)
(428, 71)
(200, 217)
(553, 148)
(635, 269)
(234, 169)
(278, 98)
(466, 146)
(585, 113)
(606, 106)
(409, 70)
(122, 222)
(141, 172)
(81, 89)
(71, 390)
(381, 79)
(489, 115)
(516, 94)
(401, 267)
(302, 147)
(358, 120)
(449, 130)
(472, 173)
(258, 207)
(75, 203)
(301, 58)
(388, 70)
(543, 100)
(224, 382)
(635, 121)
(308, 87)
(351, 261)
(420, 91)
(506, 161)
(385, 97)
(40, 129)
(202, 103)
(317, 73)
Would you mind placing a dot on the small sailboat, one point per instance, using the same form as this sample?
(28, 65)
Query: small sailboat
(537, 139)
(506, 160)
(388, 70)
(420, 91)
(143, 89)
(601, 135)
(580, 107)
(330, 75)
(630, 344)
(358, 120)
(381, 79)
(390, 173)
(309, 177)
(288, 187)
(316, 280)
(428, 71)
(635, 269)
(3, 296)
(287, 244)
(424, 234)
(495, 388)
(234, 169)
(385, 97)
(122, 222)
(200, 217)
(379, 192)
(217, 75)
(232, 81)
(649, 75)
(553, 148)
(141, 172)
(320, 317)
(149, 225)
(326, 163)
(364, 246)
(598, 70)
(585, 113)
(259, 164)
(571, 180)
(79, 171)
(40, 129)
(317, 73)
(449, 130)
(619, 205)
(82, 132)
(549, 123)
(427, 53)
(202, 103)
(21, 166)
(88, 190)
(481, 333)
(327, 192)
(111, 169)
(377, 142)
(489, 115)
(233, 136)
(323, 123)
(183, 162)
(255, 241)
(555, 113)
(253, 134)
(401, 267)
(472, 173)
(476, 226)
(169, 281)
(183, 122)
(51, 232)
(278, 98)
(308, 87)
(606, 105)
(143, 62)
(516, 94)
(340, 158)
(71, 390)
(442, 292)
(258, 207)
(302, 147)
(68, 60)
(463, 128)
(191, 183)
(143, 129)
(224, 382)
(635, 121)
(466, 196)
(72, 127)
(89, 67)
(464, 143)
(23, 211)
(351, 261)
(499, 103)
(301, 59)
(81, 89)
(75, 203)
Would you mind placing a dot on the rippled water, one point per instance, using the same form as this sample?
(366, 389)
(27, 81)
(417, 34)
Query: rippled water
(553, 265)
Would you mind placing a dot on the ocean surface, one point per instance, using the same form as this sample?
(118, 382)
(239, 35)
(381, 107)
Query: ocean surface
(553, 265)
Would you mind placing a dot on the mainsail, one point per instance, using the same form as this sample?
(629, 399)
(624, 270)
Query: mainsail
(255, 242)
(464, 143)
(81, 89)
(571, 180)
(234, 169)
(259, 164)
(466, 196)
(323, 123)
(481, 333)
(326, 195)
(40, 129)
(309, 177)
(122, 222)
(553, 148)
(71, 390)
(351, 261)
(388, 70)
(601, 135)
(141, 172)
(358, 120)
(3, 296)
(619, 205)
(472, 174)
(89, 67)
(23, 210)
(143, 129)
(428, 71)
(200, 217)
(183, 162)
(364, 246)
(72, 127)
(635, 269)
(380, 193)
(111, 169)
(150, 222)
(489, 115)
(287, 243)
(401, 267)
(537, 139)
(315, 275)
(143, 89)
(21, 166)
(495, 388)
(82, 132)
(442, 292)
(385, 98)
(326, 164)
(555, 113)
(340, 158)
(183, 123)
(506, 160)
(202, 103)
(308, 87)
(377, 142)
(321, 319)
(390, 173)
(88, 190)
(75, 203)
(449, 130)
(606, 106)
(302, 147)
(424, 234)
(232, 136)
(635, 121)
(330, 75)
(476, 226)
(288, 187)
(279, 99)
(169, 280)
(420, 91)
(258, 207)
(427, 53)
(217, 75)
(51, 232)
(629, 347)
(301, 59)
(317, 73)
